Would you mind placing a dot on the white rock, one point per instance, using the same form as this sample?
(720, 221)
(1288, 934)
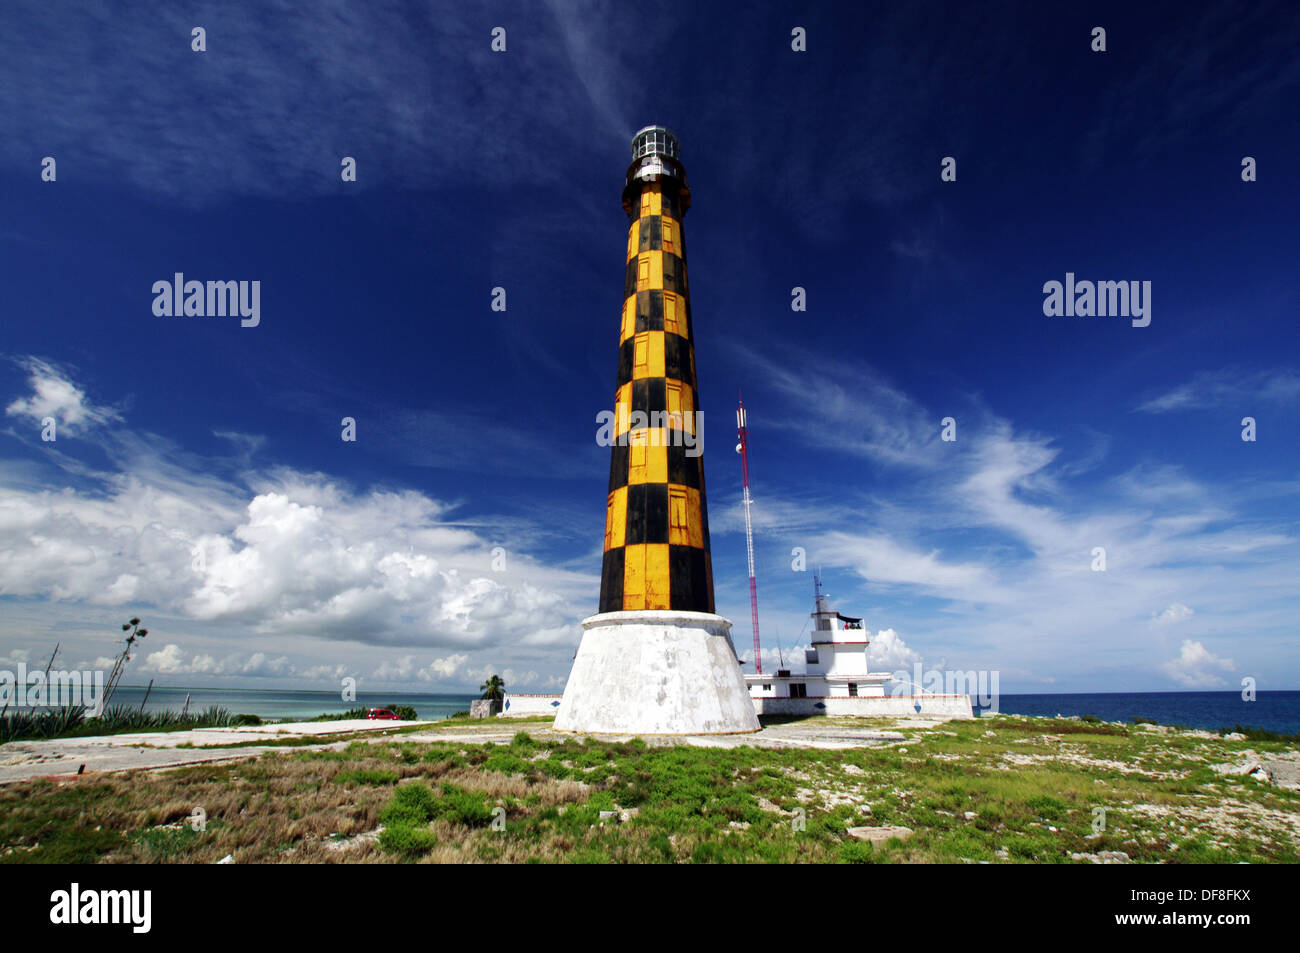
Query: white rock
(878, 835)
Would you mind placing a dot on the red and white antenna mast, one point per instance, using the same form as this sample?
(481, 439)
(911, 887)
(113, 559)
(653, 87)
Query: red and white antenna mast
(742, 448)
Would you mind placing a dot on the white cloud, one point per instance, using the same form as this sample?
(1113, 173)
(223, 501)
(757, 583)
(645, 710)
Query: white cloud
(445, 667)
(399, 669)
(10, 661)
(1229, 387)
(54, 395)
(325, 673)
(889, 653)
(291, 554)
(990, 554)
(1172, 615)
(1196, 667)
(171, 660)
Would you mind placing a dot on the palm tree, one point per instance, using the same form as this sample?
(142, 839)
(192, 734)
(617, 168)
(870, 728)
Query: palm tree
(493, 689)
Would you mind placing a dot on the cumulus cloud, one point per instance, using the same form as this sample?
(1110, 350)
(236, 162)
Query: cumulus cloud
(889, 653)
(279, 553)
(445, 667)
(323, 673)
(172, 660)
(13, 657)
(1197, 667)
(399, 669)
(1172, 615)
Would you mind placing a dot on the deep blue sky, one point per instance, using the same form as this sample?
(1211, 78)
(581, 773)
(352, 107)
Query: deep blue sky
(476, 428)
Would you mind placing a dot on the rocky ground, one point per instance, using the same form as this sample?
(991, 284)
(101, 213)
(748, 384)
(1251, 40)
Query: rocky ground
(996, 789)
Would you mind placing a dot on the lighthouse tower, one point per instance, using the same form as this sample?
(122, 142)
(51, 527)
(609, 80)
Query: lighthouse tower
(656, 659)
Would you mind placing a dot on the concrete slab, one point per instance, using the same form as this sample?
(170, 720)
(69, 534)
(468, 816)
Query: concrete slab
(26, 760)
(63, 757)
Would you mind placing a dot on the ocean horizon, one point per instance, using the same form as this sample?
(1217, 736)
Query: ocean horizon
(292, 704)
(1271, 710)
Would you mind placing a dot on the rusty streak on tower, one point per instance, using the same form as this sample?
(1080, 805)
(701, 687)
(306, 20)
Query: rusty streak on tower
(656, 519)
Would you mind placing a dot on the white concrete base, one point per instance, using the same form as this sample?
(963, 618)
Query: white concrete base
(656, 672)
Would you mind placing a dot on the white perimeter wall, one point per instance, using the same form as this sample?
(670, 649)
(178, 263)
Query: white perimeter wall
(949, 706)
(518, 706)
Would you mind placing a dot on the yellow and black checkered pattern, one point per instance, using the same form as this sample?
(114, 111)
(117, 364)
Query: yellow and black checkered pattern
(656, 519)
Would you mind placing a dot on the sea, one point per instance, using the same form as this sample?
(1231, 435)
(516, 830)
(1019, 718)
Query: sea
(1273, 710)
(285, 705)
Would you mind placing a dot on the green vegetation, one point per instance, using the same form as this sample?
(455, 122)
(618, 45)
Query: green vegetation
(997, 789)
(349, 715)
(1261, 734)
(404, 712)
(72, 722)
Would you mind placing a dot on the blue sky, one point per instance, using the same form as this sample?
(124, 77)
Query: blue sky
(476, 429)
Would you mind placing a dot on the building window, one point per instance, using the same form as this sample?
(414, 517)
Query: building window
(853, 689)
(798, 690)
(666, 236)
(767, 688)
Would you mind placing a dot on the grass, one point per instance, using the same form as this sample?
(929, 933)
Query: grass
(1002, 789)
(72, 722)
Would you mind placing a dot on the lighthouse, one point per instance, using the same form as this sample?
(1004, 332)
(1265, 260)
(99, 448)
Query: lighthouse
(656, 658)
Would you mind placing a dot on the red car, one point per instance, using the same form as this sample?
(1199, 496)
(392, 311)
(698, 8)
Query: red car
(381, 714)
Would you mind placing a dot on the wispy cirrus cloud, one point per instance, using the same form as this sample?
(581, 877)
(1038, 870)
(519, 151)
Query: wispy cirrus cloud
(987, 549)
(283, 92)
(1228, 387)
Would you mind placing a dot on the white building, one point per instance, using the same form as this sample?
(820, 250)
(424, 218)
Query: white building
(837, 679)
(835, 667)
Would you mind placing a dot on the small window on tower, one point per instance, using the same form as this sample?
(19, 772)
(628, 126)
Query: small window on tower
(673, 391)
(666, 231)
(678, 531)
(645, 202)
(637, 458)
(641, 355)
(670, 313)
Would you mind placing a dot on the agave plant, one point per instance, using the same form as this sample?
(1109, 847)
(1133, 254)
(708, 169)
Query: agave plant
(133, 627)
